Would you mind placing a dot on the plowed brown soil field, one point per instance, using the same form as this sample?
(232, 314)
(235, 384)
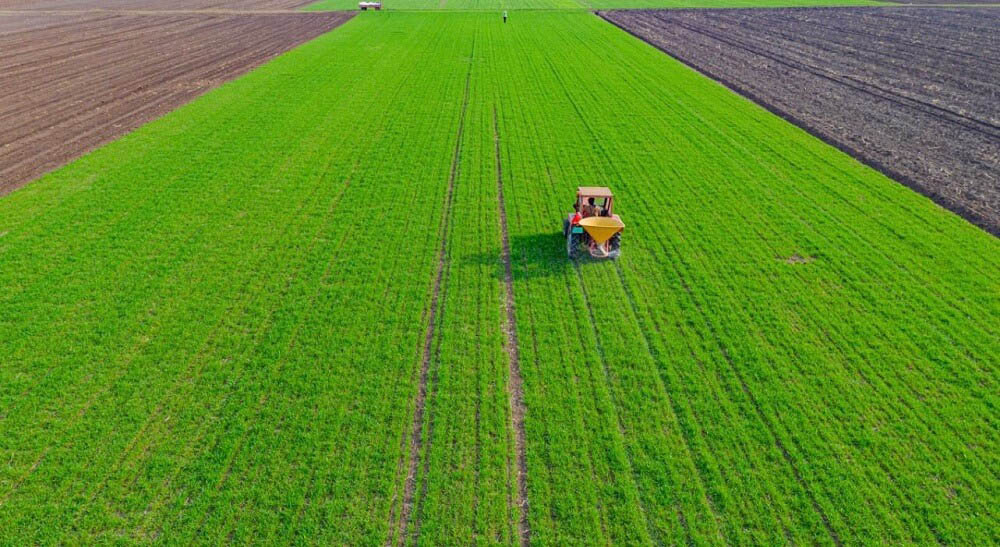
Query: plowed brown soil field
(913, 92)
(73, 82)
(945, 2)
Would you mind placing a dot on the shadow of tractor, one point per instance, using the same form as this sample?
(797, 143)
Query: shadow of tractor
(532, 256)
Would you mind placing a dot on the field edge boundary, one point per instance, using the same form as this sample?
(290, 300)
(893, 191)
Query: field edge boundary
(965, 213)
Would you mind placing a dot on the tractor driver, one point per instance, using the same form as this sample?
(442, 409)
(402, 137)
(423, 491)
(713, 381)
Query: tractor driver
(589, 209)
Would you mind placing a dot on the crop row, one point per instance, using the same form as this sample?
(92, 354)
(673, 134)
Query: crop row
(792, 346)
(279, 313)
(211, 327)
(770, 360)
(497, 6)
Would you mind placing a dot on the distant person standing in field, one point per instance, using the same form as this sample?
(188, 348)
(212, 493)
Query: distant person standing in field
(504, 16)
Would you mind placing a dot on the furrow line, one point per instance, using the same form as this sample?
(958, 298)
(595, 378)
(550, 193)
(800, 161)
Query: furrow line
(651, 530)
(972, 215)
(516, 386)
(416, 437)
(673, 403)
(944, 114)
(435, 385)
(760, 411)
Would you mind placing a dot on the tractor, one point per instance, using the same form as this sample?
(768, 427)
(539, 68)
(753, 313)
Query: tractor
(592, 226)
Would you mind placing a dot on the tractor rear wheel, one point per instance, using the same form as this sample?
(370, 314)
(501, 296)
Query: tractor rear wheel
(573, 243)
(615, 246)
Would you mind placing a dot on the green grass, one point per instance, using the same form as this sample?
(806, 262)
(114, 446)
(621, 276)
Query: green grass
(570, 5)
(209, 327)
(871, 366)
(213, 328)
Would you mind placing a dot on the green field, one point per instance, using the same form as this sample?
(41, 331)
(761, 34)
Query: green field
(569, 5)
(214, 329)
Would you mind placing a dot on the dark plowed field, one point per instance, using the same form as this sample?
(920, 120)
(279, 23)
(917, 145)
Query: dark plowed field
(914, 93)
(939, 2)
(72, 83)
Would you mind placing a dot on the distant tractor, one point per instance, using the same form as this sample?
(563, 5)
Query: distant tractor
(363, 6)
(592, 226)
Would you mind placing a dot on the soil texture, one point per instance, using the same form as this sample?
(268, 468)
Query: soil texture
(912, 92)
(73, 82)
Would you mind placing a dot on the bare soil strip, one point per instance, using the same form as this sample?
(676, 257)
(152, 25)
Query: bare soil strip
(74, 82)
(416, 436)
(910, 92)
(435, 362)
(516, 386)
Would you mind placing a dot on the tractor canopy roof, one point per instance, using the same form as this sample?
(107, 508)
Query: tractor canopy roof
(594, 191)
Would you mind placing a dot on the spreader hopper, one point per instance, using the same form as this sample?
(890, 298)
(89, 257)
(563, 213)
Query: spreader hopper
(602, 229)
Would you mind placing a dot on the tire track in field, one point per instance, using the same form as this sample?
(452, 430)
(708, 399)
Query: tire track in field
(780, 445)
(399, 469)
(416, 436)
(633, 474)
(654, 354)
(435, 383)
(621, 425)
(516, 385)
